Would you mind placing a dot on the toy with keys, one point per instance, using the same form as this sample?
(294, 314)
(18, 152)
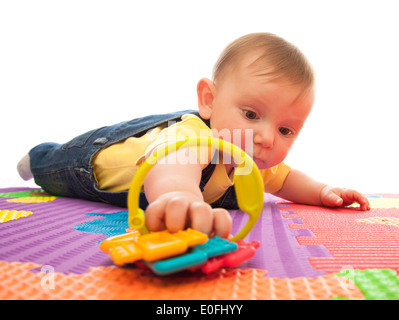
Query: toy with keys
(166, 252)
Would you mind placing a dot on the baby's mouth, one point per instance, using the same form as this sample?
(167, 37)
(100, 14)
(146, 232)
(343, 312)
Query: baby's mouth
(260, 162)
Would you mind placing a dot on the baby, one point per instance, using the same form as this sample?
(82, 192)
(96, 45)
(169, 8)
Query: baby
(260, 96)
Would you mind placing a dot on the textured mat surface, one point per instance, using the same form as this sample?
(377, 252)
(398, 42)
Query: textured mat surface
(49, 249)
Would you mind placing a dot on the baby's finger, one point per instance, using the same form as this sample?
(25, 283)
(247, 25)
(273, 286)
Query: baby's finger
(332, 200)
(176, 214)
(222, 223)
(364, 203)
(155, 215)
(351, 196)
(201, 217)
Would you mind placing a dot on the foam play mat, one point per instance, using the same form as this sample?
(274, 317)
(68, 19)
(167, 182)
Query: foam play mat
(49, 249)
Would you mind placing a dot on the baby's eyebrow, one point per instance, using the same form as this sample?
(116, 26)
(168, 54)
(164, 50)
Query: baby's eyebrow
(297, 121)
(253, 101)
(297, 124)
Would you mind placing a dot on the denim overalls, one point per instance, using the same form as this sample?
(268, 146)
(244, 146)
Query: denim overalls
(66, 170)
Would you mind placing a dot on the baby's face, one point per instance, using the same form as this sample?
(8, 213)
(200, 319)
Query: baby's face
(268, 114)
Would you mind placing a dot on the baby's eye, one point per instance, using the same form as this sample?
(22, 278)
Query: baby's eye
(285, 131)
(251, 115)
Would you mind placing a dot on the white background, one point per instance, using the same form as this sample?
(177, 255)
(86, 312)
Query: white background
(70, 66)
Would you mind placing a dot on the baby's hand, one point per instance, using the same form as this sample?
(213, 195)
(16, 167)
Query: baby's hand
(340, 197)
(176, 211)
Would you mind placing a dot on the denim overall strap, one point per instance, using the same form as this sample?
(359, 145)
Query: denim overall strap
(228, 200)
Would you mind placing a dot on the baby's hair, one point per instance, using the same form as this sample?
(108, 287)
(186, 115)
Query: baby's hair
(278, 59)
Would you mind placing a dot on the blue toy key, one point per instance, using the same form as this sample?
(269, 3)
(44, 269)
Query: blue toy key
(196, 257)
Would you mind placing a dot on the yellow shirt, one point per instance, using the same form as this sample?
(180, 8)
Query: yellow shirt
(115, 166)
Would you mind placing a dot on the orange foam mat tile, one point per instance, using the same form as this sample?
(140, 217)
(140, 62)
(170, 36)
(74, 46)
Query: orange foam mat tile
(17, 281)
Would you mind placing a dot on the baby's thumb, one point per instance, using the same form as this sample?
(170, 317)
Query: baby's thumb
(332, 200)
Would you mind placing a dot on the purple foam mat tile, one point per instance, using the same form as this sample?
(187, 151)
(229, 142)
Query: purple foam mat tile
(318, 251)
(279, 252)
(314, 250)
(48, 236)
(296, 221)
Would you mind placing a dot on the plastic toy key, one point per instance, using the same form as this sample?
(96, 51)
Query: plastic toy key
(244, 252)
(130, 247)
(198, 255)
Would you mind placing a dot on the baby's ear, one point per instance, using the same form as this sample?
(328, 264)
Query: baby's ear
(205, 94)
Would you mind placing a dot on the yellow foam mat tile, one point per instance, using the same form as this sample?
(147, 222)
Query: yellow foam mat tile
(382, 203)
(32, 199)
(381, 220)
(107, 283)
(7, 215)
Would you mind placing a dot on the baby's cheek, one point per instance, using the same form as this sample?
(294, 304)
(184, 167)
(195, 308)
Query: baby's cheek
(280, 155)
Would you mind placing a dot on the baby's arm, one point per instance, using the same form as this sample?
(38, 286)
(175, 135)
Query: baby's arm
(175, 199)
(300, 188)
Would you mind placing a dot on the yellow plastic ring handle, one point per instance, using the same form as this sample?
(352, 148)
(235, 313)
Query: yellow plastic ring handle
(248, 182)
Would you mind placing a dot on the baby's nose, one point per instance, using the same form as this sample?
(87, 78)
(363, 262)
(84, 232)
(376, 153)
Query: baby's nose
(265, 138)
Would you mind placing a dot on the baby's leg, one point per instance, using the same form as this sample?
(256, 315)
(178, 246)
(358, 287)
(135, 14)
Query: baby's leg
(56, 167)
(23, 168)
